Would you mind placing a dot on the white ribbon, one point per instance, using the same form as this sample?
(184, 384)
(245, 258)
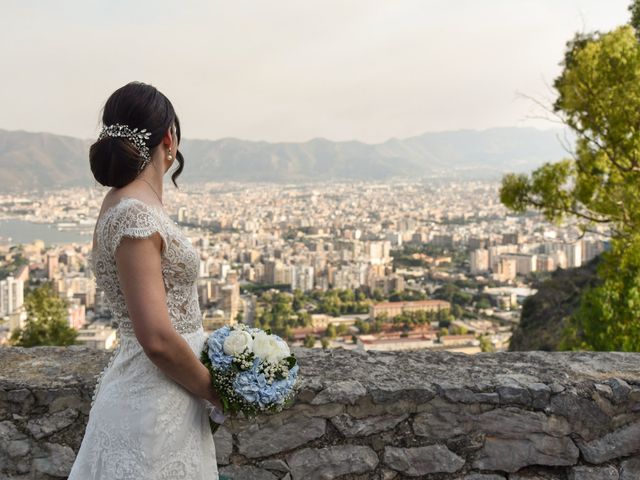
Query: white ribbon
(214, 414)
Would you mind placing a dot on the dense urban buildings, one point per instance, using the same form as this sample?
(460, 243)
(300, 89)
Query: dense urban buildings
(389, 250)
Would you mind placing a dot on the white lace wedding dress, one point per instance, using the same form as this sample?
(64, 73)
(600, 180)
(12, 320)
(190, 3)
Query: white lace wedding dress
(142, 424)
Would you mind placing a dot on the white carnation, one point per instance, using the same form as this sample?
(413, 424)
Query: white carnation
(237, 342)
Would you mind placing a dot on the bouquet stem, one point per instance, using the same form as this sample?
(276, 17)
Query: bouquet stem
(216, 417)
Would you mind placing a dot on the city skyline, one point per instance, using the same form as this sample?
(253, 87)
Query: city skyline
(391, 242)
(351, 70)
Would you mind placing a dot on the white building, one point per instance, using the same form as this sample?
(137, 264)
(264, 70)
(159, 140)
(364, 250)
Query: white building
(480, 261)
(572, 253)
(302, 277)
(11, 295)
(525, 263)
(100, 337)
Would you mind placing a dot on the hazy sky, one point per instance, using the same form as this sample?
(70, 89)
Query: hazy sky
(291, 70)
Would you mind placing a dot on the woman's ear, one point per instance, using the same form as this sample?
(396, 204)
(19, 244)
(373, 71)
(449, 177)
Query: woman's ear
(168, 137)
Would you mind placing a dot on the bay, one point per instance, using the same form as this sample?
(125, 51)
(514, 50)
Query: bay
(21, 231)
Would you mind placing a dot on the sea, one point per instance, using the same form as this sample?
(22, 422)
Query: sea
(17, 231)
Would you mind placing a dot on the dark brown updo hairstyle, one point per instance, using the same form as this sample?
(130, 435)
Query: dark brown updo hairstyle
(115, 161)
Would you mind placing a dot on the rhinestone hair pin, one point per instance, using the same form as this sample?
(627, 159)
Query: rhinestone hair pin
(138, 138)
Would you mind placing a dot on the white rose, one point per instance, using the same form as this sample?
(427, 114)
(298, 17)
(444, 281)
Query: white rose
(269, 348)
(260, 344)
(237, 341)
(284, 348)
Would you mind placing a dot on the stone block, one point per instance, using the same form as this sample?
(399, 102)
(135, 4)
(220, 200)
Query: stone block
(56, 461)
(345, 392)
(584, 472)
(630, 469)
(223, 441)
(22, 400)
(51, 423)
(513, 422)
(261, 441)
(540, 395)
(394, 392)
(418, 461)
(622, 442)
(514, 394)
(331, 462)
(620, 389)
(585, 417)
(18, 448)
(71, 400)
(361, 427)
(442, 425)
(510, 455)
(457, 394)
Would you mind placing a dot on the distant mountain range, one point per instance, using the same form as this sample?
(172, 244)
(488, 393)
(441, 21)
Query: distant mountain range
(43, 160)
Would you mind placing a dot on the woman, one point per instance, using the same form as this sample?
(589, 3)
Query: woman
(149, 416)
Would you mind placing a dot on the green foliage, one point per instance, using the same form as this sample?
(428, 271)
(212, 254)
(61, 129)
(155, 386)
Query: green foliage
(283, 312)
(458, 330)
(608, 318)
(46, 320)
(17, 261)
(331, 331)
(276, 313)
(309, 341)
(363, 326)
(599, 99)
(342, 329)
(453, 294)
(486, 345)
(634, 8)
(483, 303)
(444, 324)
(340, 302)
(457, 311)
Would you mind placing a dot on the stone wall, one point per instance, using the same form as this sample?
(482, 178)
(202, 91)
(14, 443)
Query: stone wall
(375, 415)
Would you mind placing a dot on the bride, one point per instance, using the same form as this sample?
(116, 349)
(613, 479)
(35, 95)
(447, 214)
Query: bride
(149, 416)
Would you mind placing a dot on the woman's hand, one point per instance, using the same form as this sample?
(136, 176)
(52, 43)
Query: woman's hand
(213, 398)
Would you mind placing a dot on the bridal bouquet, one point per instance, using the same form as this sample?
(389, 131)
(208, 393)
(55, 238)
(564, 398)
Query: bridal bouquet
(253, 370)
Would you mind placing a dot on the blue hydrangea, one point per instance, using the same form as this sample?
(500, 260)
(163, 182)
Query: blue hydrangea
(215, 344)
(253, 386)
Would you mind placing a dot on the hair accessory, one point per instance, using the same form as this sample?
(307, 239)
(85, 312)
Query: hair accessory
(138, 138)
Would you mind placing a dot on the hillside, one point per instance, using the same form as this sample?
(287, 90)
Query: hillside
(42, 160)
(544, 315)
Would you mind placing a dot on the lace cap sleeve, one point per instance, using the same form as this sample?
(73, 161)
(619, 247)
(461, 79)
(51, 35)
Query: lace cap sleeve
(133, 218)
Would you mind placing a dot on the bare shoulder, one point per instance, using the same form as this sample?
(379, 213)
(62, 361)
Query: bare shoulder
(114, 197)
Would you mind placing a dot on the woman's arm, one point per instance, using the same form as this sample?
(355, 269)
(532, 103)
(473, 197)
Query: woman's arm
(138, 262)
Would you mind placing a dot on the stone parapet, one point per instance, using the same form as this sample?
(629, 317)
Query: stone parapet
(370, 415)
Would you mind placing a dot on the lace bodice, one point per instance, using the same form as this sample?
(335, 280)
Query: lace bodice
(131, 217)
